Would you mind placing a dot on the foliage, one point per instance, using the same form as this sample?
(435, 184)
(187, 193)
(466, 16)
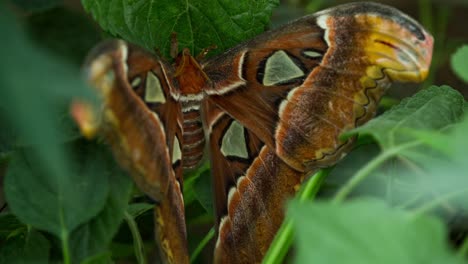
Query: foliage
(67, 198)
(367, 231)
(55, 182)
(459, 64)
(199, 24)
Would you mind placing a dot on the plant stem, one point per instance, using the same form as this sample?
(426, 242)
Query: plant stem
(65, 248)
(312, 186)
(202, 245)
(365, 171)
(64, 240)
(137, 242)
(283, 239)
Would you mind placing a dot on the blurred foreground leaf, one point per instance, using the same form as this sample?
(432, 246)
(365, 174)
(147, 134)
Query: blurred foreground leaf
(367, 231)
(34, 84)
(50, 185)
(460, 63)
(41, 179)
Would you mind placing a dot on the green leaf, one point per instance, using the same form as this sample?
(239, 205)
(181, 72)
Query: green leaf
(94, 237)
(460, 63)
(367, 231)
(199, 24)
(58, 203)
(34, 85)
(456, 140)
(43, 185)
(447, 174)
(434, 108)
(431, 165)
(29, 247)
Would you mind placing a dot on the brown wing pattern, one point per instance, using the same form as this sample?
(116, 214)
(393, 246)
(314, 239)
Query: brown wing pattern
(142, 123)
(300, 86)
(236, 75)
(297, 89)
(250, 186)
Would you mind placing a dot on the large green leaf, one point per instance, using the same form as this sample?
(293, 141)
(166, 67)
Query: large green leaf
(58, 203)
(460, 63)
(34, 85)
(198, 23)
(367, 231)
(46, 186)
